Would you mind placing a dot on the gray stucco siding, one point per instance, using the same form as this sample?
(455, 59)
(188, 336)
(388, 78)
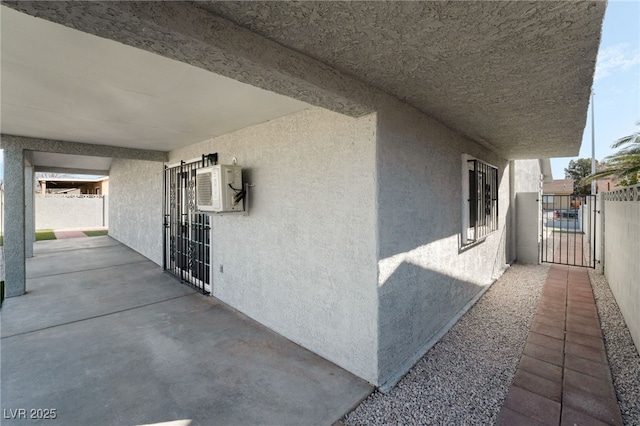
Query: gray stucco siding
(426, 278)
(528, 218)
(69, 213)
(527, 178)
(303, 262)
(14, 220)
(135, 205)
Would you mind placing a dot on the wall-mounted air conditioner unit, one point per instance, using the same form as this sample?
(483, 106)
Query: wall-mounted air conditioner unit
(219, 189)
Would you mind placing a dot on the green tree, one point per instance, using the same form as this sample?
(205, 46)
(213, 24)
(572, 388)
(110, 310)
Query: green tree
(624, 164)
(578, 170)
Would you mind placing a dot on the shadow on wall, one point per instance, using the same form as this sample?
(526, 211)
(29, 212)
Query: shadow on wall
(408, 221)
(423, 290)
(415, 303)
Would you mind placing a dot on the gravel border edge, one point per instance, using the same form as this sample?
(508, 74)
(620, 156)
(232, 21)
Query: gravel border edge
(623, 356)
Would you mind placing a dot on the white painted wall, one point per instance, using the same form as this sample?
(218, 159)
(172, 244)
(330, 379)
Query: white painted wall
(69, 213)
(527, 227)
(426, 279)
(303, 262)
(621, 266)
(528, 176)
(135, 206)
(528, 213)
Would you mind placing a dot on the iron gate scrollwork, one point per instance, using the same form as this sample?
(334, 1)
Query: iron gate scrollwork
(187, 232)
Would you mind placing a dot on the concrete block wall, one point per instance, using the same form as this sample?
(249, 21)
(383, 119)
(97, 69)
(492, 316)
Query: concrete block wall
(67, 213)
(303, 262)
(621, 252)
(426, 278)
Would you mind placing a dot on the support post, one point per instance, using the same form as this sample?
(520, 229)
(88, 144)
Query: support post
(29, 214)
(14, 236)
(593, 143)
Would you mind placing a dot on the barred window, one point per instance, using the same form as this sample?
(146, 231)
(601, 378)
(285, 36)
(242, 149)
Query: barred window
(482, 200)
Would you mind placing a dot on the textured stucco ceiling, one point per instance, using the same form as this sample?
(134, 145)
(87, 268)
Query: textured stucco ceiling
(513, 75)
(63, 84)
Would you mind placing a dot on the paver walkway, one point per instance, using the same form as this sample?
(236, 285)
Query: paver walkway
(69, 234)
(563, 376)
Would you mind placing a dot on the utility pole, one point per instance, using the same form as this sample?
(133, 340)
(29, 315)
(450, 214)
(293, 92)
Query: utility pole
(593, 143)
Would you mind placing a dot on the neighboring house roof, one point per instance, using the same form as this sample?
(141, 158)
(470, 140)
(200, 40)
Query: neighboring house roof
(607, 184)
(558, 187)
(55, 183)
(72, 179)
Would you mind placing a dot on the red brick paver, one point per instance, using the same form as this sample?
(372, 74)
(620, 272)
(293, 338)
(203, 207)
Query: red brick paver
(69, 234)
(563, 377)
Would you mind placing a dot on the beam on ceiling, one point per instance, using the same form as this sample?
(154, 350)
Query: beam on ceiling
(189, 34)
(77, 148)
(72, 171)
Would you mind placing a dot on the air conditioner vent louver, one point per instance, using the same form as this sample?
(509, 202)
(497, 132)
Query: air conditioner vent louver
(203, 184)
(217, 187)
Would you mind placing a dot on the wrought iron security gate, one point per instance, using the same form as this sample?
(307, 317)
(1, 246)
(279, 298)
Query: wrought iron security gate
(568, 230)
(187, 233)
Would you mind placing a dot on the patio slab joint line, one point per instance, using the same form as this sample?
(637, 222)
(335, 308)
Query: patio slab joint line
(97, 316)
(89, 269)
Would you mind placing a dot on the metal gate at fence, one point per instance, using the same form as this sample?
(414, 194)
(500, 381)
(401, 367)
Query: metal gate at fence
(187, 233)
(568, 230)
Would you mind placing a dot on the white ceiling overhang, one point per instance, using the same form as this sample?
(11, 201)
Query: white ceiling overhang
(59, 83)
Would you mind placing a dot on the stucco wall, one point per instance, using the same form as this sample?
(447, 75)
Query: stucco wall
(352, 244)
(303, 262)
(14, 216)
(29, 210)
(528, 218)
(68, 213)
(135, 205)
(425, 278)
(528, 224)
(621, 266)
(527, 176)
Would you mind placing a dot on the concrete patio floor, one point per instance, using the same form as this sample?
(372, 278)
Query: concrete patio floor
(104, 337)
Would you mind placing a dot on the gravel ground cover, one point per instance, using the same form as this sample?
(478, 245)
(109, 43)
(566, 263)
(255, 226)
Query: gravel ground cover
(624, 359)
(465, 377)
